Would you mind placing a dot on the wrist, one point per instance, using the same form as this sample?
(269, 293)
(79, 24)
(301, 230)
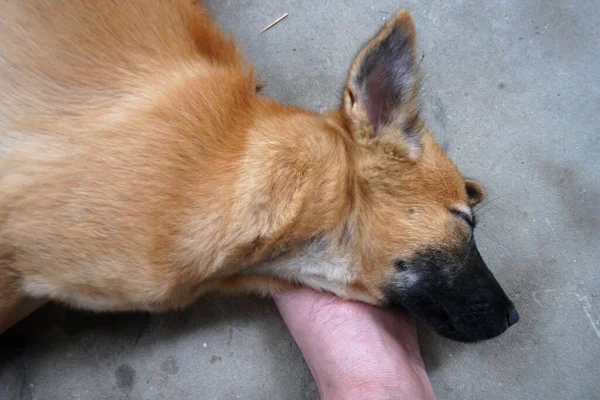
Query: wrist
(362, 388)
(366, 378)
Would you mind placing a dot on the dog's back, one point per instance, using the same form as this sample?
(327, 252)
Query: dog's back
(101, 104)
(69, 60)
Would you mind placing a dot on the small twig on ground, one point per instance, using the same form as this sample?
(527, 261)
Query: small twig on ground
(272, 24)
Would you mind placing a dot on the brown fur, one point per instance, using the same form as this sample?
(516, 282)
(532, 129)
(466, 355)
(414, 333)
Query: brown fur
(139, 168)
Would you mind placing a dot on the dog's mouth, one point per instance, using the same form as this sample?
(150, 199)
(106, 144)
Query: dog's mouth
(467, 323)
(471, 323)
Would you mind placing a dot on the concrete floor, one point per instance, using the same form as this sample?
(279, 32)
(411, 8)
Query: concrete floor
(512, 88)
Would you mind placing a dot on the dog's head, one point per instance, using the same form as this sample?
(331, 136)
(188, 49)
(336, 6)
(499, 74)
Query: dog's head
(414, 222)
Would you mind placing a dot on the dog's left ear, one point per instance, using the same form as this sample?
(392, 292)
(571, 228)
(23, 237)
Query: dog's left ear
(475, 191)
(381, 94)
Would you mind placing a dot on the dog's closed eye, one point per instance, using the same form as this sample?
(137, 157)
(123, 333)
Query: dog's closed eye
(467, 217)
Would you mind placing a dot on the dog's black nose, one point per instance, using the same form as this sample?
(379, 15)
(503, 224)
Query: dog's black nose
(512, 317)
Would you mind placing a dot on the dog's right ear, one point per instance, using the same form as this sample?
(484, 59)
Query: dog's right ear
(381, 93)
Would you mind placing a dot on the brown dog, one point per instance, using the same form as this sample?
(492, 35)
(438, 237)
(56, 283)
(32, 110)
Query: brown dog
(139, 169)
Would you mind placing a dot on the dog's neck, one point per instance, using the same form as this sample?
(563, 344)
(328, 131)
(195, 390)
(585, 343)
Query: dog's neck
(292, 217)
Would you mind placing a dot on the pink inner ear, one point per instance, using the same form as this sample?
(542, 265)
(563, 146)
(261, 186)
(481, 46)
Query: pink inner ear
(377, 95)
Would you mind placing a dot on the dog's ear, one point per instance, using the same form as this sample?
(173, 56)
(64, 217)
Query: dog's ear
(475, 191)
(381, 93)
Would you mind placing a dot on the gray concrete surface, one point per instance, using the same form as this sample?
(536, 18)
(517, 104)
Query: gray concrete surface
(513, 88)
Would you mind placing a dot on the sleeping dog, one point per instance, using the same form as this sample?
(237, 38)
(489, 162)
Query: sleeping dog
(140, 169)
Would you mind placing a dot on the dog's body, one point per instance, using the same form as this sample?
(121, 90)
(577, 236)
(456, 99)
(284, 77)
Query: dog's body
(139, 169)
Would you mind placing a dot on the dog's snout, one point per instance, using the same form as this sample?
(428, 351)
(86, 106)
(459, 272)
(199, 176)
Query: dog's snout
(512, 317)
